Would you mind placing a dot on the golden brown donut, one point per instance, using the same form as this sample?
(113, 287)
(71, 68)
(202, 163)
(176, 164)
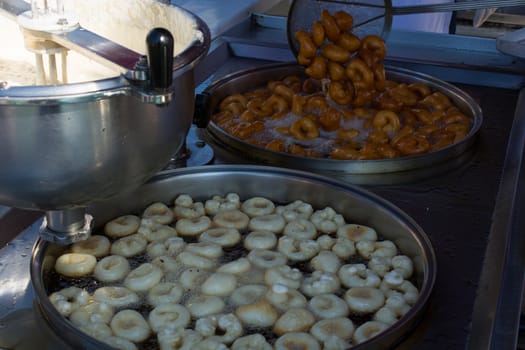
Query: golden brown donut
(330, 120)
(307, 48)
(345, 151)
(247, 116)
(424, 116)
(341, 92)
(291, 80)
(335, 53)
(311, 86)
(360, 74)
(363, 98)
(276, 103)
(385, 101)
(299, 150)
(436, 101)
(235, 98)
(318, 34)
(304, 129)
(368, 57)
(349, 42)
(412, 145)
(317, 69)
(368, 151)
(270, 85)
(276, 145)
(331, 28)
(406, 130)
(456, 116)
(376, 45)
(387, 151)
(344, 20)
(378, 136)
(257, 93)
(336, 71)
(223, 119)
(460, 130)
(404, 94)
(258, 107)
(304, 61)
(387, 121)
(245, 130)
(423, 90)
(316, 104)
(298, 102)
(285, 91)
(285, 130)
(235, 108)
(441, 138)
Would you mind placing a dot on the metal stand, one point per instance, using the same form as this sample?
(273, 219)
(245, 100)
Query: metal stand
(193, 152)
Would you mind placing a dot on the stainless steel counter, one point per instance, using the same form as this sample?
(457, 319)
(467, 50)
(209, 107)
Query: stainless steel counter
(473, 213)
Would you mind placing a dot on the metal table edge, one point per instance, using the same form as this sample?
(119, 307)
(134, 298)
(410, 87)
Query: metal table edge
(496, 315)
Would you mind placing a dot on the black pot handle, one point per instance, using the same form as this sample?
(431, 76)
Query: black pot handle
(160, 44)
(202, 113)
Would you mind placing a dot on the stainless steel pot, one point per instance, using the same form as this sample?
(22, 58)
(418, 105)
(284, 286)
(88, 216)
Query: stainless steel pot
(402, 169)
(280, 185)
(68, 145)
(64, 146)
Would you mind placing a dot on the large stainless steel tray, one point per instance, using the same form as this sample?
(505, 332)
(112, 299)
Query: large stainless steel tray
(357, 171)
(280, 185)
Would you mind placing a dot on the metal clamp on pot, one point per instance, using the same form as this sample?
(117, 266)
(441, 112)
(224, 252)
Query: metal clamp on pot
(153, 73)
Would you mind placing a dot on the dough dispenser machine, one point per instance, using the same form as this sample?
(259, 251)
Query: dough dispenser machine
(63, 146)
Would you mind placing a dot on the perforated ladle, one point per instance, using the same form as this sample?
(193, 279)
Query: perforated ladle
(374, 16)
